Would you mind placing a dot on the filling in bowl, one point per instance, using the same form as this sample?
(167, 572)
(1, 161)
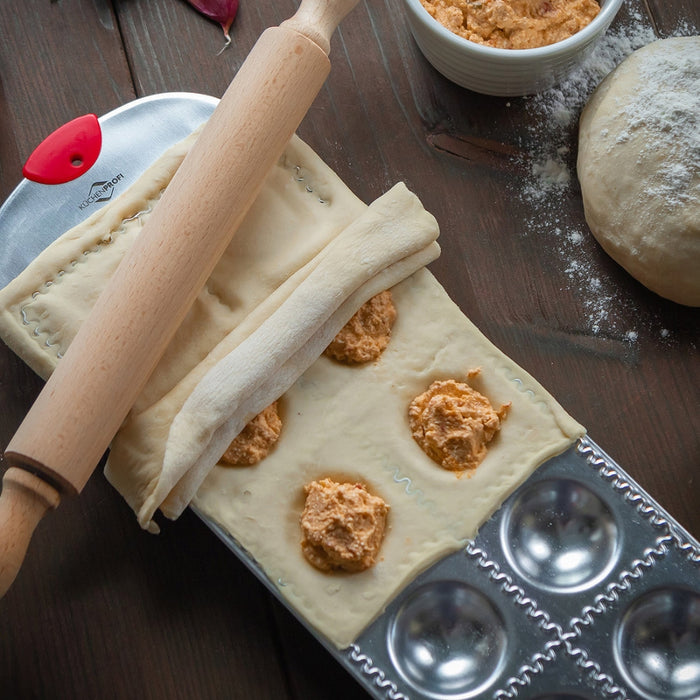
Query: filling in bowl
(513, 24)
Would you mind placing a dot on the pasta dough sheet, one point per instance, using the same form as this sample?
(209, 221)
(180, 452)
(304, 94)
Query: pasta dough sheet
(351, 423)
(338, 421)
(267, 298)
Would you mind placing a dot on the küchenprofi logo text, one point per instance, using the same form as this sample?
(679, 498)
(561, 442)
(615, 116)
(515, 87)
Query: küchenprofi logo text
(101, 191)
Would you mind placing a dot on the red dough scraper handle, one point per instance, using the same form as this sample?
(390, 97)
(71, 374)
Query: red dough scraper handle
(66, 153)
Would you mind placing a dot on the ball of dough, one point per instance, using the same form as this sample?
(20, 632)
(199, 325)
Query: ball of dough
(639, 166)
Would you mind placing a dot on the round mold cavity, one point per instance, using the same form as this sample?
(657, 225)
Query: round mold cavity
(561, 536)
(657, 644)
(448, 640)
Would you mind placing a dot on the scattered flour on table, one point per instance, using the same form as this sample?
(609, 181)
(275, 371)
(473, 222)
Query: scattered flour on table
(550, 177)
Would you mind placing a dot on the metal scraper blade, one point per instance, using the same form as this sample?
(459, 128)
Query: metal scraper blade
(133, 137)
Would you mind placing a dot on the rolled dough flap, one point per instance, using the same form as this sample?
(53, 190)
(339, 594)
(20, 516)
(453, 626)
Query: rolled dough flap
(308, 254)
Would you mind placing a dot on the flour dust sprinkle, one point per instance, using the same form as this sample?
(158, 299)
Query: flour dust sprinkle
(550, 177)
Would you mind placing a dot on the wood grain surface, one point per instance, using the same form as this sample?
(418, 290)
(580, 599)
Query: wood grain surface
(104, 610)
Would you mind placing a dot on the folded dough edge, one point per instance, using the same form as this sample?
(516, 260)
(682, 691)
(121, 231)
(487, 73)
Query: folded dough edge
(391, 240)
(41, 309)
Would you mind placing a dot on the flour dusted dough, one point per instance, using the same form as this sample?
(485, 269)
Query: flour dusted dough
(639, 167)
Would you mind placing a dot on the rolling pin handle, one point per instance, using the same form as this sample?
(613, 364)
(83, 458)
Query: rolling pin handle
(24, 500)
(318, 19)
(111, 357)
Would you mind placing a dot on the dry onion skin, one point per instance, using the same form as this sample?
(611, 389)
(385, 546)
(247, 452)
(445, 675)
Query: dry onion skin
(223, 12)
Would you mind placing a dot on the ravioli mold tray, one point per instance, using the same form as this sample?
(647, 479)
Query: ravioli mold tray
(579, 586)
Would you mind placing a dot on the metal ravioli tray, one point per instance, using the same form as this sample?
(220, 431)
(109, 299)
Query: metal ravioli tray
(580, 586)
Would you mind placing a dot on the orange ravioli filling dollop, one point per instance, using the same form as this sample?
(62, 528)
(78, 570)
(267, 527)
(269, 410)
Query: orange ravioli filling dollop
(366, 335)
(256, 440)
(342, 526)
(453, 423)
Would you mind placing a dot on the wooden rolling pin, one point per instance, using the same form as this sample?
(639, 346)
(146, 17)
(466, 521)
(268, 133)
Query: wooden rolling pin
(94, 386)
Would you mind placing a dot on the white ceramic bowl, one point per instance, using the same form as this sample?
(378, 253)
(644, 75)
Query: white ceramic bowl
(504, 72)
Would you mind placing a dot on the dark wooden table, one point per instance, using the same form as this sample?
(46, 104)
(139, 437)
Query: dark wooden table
(104, 610)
